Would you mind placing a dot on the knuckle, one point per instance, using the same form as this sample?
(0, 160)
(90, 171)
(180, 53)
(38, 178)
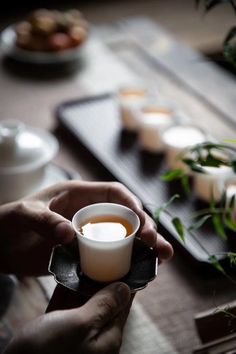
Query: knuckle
(19, 211)
(117, 189)
(39, 214)
(117, 186)
(21, 207)
(44, 216)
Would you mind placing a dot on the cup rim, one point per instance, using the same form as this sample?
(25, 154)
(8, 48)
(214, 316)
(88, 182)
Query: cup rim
(103, 204)
(184, 126)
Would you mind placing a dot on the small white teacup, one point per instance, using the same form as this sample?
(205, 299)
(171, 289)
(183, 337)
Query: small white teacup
(105, 233)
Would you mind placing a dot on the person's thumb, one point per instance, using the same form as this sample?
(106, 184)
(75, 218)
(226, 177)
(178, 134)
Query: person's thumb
(105, 305)
(38, 217)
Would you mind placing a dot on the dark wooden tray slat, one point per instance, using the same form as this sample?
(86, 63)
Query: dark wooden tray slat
(95, 123)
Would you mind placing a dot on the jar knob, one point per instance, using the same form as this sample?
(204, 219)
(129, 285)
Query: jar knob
(9, 129)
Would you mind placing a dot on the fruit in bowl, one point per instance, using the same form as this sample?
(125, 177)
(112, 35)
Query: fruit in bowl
(51, 31)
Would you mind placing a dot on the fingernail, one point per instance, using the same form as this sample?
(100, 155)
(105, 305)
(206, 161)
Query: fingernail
(122, 294)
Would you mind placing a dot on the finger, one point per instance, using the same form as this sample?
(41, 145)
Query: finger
(109, 339)
(163, 249)
(153, 239)
(61, 204)
(118, 193)
(104, 306)
(80, 194)
(148, 233)
(36, 216)
(121, 319)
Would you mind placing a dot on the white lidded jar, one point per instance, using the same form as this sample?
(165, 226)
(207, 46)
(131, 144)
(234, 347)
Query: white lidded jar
(177, 139)
(24, 154)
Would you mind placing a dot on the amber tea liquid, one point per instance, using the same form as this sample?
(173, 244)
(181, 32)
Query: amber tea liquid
(106, 228)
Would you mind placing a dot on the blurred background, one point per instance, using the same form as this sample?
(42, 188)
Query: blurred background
(181, 17)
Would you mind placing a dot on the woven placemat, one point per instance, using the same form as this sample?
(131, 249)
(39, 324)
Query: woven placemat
(142, 336)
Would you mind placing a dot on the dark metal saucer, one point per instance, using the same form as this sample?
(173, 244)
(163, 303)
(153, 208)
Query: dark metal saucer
(65, 266)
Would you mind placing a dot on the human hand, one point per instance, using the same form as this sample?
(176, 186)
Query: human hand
(29, 230)
(80, 194)
(32, 226)
(96, 327)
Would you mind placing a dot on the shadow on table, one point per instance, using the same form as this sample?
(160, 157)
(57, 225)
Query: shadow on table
(42, 71)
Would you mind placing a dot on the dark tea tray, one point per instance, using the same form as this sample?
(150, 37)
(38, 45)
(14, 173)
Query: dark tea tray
(95, 123)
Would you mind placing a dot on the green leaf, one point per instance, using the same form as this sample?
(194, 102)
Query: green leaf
(170, 201)
(157, 214)
(230, 53)
(164, 207)
(196, 168)
(179, 227)
(172, 175)
(212, 161)
(178, 174)
(186, 184)
(207, 154)
(232, 258)
(200, 222)
(188, 161)
(212, 205)
(229, 223)
(233, 165)
(232, 202)
(214, 261)
(207, 146)
(230, 141)
(231, 34)
(217, 222)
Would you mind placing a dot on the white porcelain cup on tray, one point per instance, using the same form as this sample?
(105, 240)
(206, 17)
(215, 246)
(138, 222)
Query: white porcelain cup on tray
(105, 233)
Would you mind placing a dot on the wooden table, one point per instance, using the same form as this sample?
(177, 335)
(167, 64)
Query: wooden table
(115, 55)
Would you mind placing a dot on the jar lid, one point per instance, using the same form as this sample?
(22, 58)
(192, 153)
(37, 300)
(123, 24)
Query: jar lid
(24, 148)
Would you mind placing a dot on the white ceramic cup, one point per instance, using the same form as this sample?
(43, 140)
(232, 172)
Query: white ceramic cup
(230, 192)
(129, 100)
(105, 261)
(208, 185)
(177, 139)
(154, 118)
